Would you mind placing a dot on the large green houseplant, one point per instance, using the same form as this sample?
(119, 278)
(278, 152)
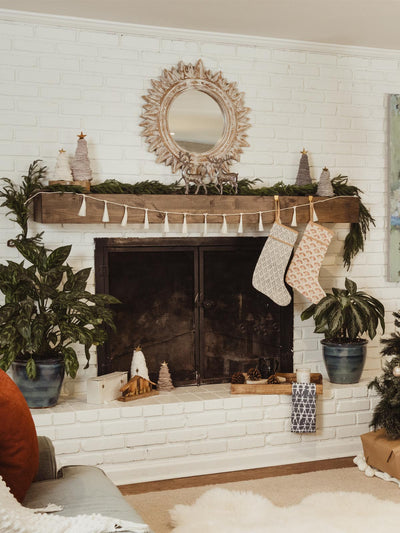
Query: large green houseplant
(47, 310)
(343, 316)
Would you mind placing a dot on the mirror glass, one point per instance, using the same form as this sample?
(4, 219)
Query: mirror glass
(195, 121)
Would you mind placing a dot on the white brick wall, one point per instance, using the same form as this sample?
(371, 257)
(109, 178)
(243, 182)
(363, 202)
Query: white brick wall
(59, 77)
(164, 437)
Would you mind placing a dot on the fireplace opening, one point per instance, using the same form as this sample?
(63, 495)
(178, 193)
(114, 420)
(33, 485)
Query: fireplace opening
(190, 302)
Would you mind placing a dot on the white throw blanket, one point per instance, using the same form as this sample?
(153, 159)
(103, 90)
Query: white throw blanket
(14, 518)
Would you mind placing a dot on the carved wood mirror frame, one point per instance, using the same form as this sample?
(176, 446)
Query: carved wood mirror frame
(174, 82)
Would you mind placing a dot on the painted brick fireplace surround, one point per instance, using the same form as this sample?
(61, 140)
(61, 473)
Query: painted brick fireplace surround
(60, 76)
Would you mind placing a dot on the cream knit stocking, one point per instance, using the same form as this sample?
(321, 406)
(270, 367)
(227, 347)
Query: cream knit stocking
(304, 268)
(269, 273)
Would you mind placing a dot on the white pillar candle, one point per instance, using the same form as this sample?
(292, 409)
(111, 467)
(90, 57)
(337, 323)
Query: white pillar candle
(303, 375)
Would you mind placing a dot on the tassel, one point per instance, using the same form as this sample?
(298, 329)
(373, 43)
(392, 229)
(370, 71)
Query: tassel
(82, 210)
(205, 225)
(124, 220)
(240, 228)
(315, 217)
(105, 218)
(146, 224)
(294, 217)
(224, 227)
(260, 222)
(166, 223)
(184, 225)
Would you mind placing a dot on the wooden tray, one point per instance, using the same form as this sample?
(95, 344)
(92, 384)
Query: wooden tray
(269, 388)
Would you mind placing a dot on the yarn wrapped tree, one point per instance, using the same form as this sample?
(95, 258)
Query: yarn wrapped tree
(325, 187)
(164, 379)
(386, 413)
(303, 174)
(81, 164)
(62, 171)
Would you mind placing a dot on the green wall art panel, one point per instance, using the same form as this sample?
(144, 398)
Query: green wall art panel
(394, 187)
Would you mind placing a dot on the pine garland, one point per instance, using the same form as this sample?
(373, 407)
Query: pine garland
(353, 244)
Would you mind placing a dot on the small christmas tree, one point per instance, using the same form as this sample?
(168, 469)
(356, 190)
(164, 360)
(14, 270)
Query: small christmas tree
(303, 174)
(62, 172)
(387, 412)
(138, 365)
(81, 164)
(325, 185)
(164, 379)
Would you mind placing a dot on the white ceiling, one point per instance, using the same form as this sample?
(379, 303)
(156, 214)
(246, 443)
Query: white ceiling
(373, 23)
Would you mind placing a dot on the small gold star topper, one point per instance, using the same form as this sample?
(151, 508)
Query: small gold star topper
(81, 135)
(304, 151)
(62, 151)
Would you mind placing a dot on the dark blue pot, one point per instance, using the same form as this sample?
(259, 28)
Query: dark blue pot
(45, 389)
(344, 362)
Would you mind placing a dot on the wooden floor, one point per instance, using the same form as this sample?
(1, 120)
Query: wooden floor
(241, 475)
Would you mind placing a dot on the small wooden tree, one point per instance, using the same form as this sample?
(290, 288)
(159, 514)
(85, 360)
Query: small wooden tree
(164, 379)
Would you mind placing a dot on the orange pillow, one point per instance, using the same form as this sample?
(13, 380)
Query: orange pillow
(19, 452)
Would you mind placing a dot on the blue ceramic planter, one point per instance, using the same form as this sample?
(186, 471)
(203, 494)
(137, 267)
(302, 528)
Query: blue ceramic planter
(344, 362)
(45, 389)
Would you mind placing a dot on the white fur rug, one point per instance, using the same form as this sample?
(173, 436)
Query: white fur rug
(223, 511)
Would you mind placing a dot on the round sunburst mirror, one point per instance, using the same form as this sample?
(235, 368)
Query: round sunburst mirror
(191, 109)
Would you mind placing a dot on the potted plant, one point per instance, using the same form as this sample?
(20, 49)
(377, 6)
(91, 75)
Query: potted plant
(343, 316)
(47, 309)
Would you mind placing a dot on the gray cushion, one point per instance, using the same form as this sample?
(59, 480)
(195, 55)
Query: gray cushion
(47, 460)
(81, 490)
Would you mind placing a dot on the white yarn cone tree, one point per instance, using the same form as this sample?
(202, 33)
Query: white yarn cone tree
(62, 172)
(138, 365)
(164, 378)
(81, 164)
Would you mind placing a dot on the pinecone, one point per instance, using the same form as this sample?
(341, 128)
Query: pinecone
(273, 380)
(254, 374)
(238, 377)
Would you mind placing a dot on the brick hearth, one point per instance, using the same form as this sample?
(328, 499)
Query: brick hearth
(202, 430)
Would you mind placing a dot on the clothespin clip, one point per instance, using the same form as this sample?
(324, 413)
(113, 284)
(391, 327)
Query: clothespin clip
(277, 209)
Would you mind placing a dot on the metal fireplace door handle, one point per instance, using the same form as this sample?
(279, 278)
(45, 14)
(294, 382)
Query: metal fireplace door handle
(208, 304)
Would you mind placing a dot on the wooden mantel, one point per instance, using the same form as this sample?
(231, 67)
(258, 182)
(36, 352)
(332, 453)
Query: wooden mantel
(63, 208)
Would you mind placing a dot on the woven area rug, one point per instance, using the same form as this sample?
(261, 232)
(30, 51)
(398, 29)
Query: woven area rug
(224, 511)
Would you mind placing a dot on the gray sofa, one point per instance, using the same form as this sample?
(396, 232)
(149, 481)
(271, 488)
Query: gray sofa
(78, 489)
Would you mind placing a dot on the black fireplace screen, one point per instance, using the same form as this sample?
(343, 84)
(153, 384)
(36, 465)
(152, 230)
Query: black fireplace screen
(190, 302)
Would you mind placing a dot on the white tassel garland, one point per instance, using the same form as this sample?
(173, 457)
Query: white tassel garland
(315, 217)
(240, 228)
(124, 220)
(260, 222)
(205, 225)
(166, 223)
(105, 218)
(82, 210)
(184, 225)
(224, 228)
(146, 224)
(294, 217)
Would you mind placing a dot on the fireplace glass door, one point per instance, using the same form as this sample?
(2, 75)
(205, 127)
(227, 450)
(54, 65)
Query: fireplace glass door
(190, 302)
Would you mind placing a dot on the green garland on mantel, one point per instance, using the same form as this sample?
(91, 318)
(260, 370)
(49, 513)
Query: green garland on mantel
(353, 244)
